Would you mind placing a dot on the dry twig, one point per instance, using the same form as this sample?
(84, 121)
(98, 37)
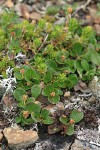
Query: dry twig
(82, 7)
(43, 43)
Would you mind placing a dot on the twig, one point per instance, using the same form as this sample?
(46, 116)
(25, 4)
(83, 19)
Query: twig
(43, 43)
(81, 7)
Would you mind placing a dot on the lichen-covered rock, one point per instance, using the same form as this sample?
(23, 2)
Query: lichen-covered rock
(18, 139)
(77, 145)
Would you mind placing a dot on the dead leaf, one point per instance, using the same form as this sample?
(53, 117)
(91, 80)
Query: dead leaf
(52, 129)
(7, 101)
(42, 99)
(82, 84)
(67, 94)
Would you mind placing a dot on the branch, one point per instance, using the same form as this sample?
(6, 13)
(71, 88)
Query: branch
(43, 43)
(82, 7)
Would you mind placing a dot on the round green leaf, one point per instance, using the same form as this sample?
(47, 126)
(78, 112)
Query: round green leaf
(76, 115)
(61, 57)
(54, 100)
(45, 113)
(64, 119)
(32, 107)
(73, 79)
(35, 90)
(36, 116)
(47, 77)
(48, 121)
(85, 65)
(18, 93)
(47, 90)
(77, 48)
(52, 65)
(29, 74)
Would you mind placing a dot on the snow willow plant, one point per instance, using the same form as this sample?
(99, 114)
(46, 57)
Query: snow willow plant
(60, 56)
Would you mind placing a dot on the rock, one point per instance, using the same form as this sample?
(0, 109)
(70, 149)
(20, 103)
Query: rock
(94, 86)
(35, 16)
(89, 135)
(23, 9)
(66, 147)
(60, 105)
(9, 3)
(18, 138)
(1, 136)
(78, 145)
(67, 94)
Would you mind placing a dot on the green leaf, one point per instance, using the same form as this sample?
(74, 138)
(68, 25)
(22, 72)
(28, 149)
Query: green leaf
(89, 75)
(45, 113)
(48, 121)
(62, 84)
(36, 90)
(60, 92)
(18, 93)
(32, 107)
(21, 104)
(77, 48)
(73, 24)
(70, 130)
(85, 65)
(27, 121)
(47, 77)
(95, 57)
(30, 99)
(56, 84)
(36, 116)
(18, 75)
(35, 75)
(73, 78)
(54, 100)
(47, 90)
(76, 115)
(29, 74)
(78, 66)
(64, 119)
(52, 65)
(87, 33)
(18, 119)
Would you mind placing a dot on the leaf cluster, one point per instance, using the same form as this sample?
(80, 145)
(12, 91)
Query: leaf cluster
(60, 56)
